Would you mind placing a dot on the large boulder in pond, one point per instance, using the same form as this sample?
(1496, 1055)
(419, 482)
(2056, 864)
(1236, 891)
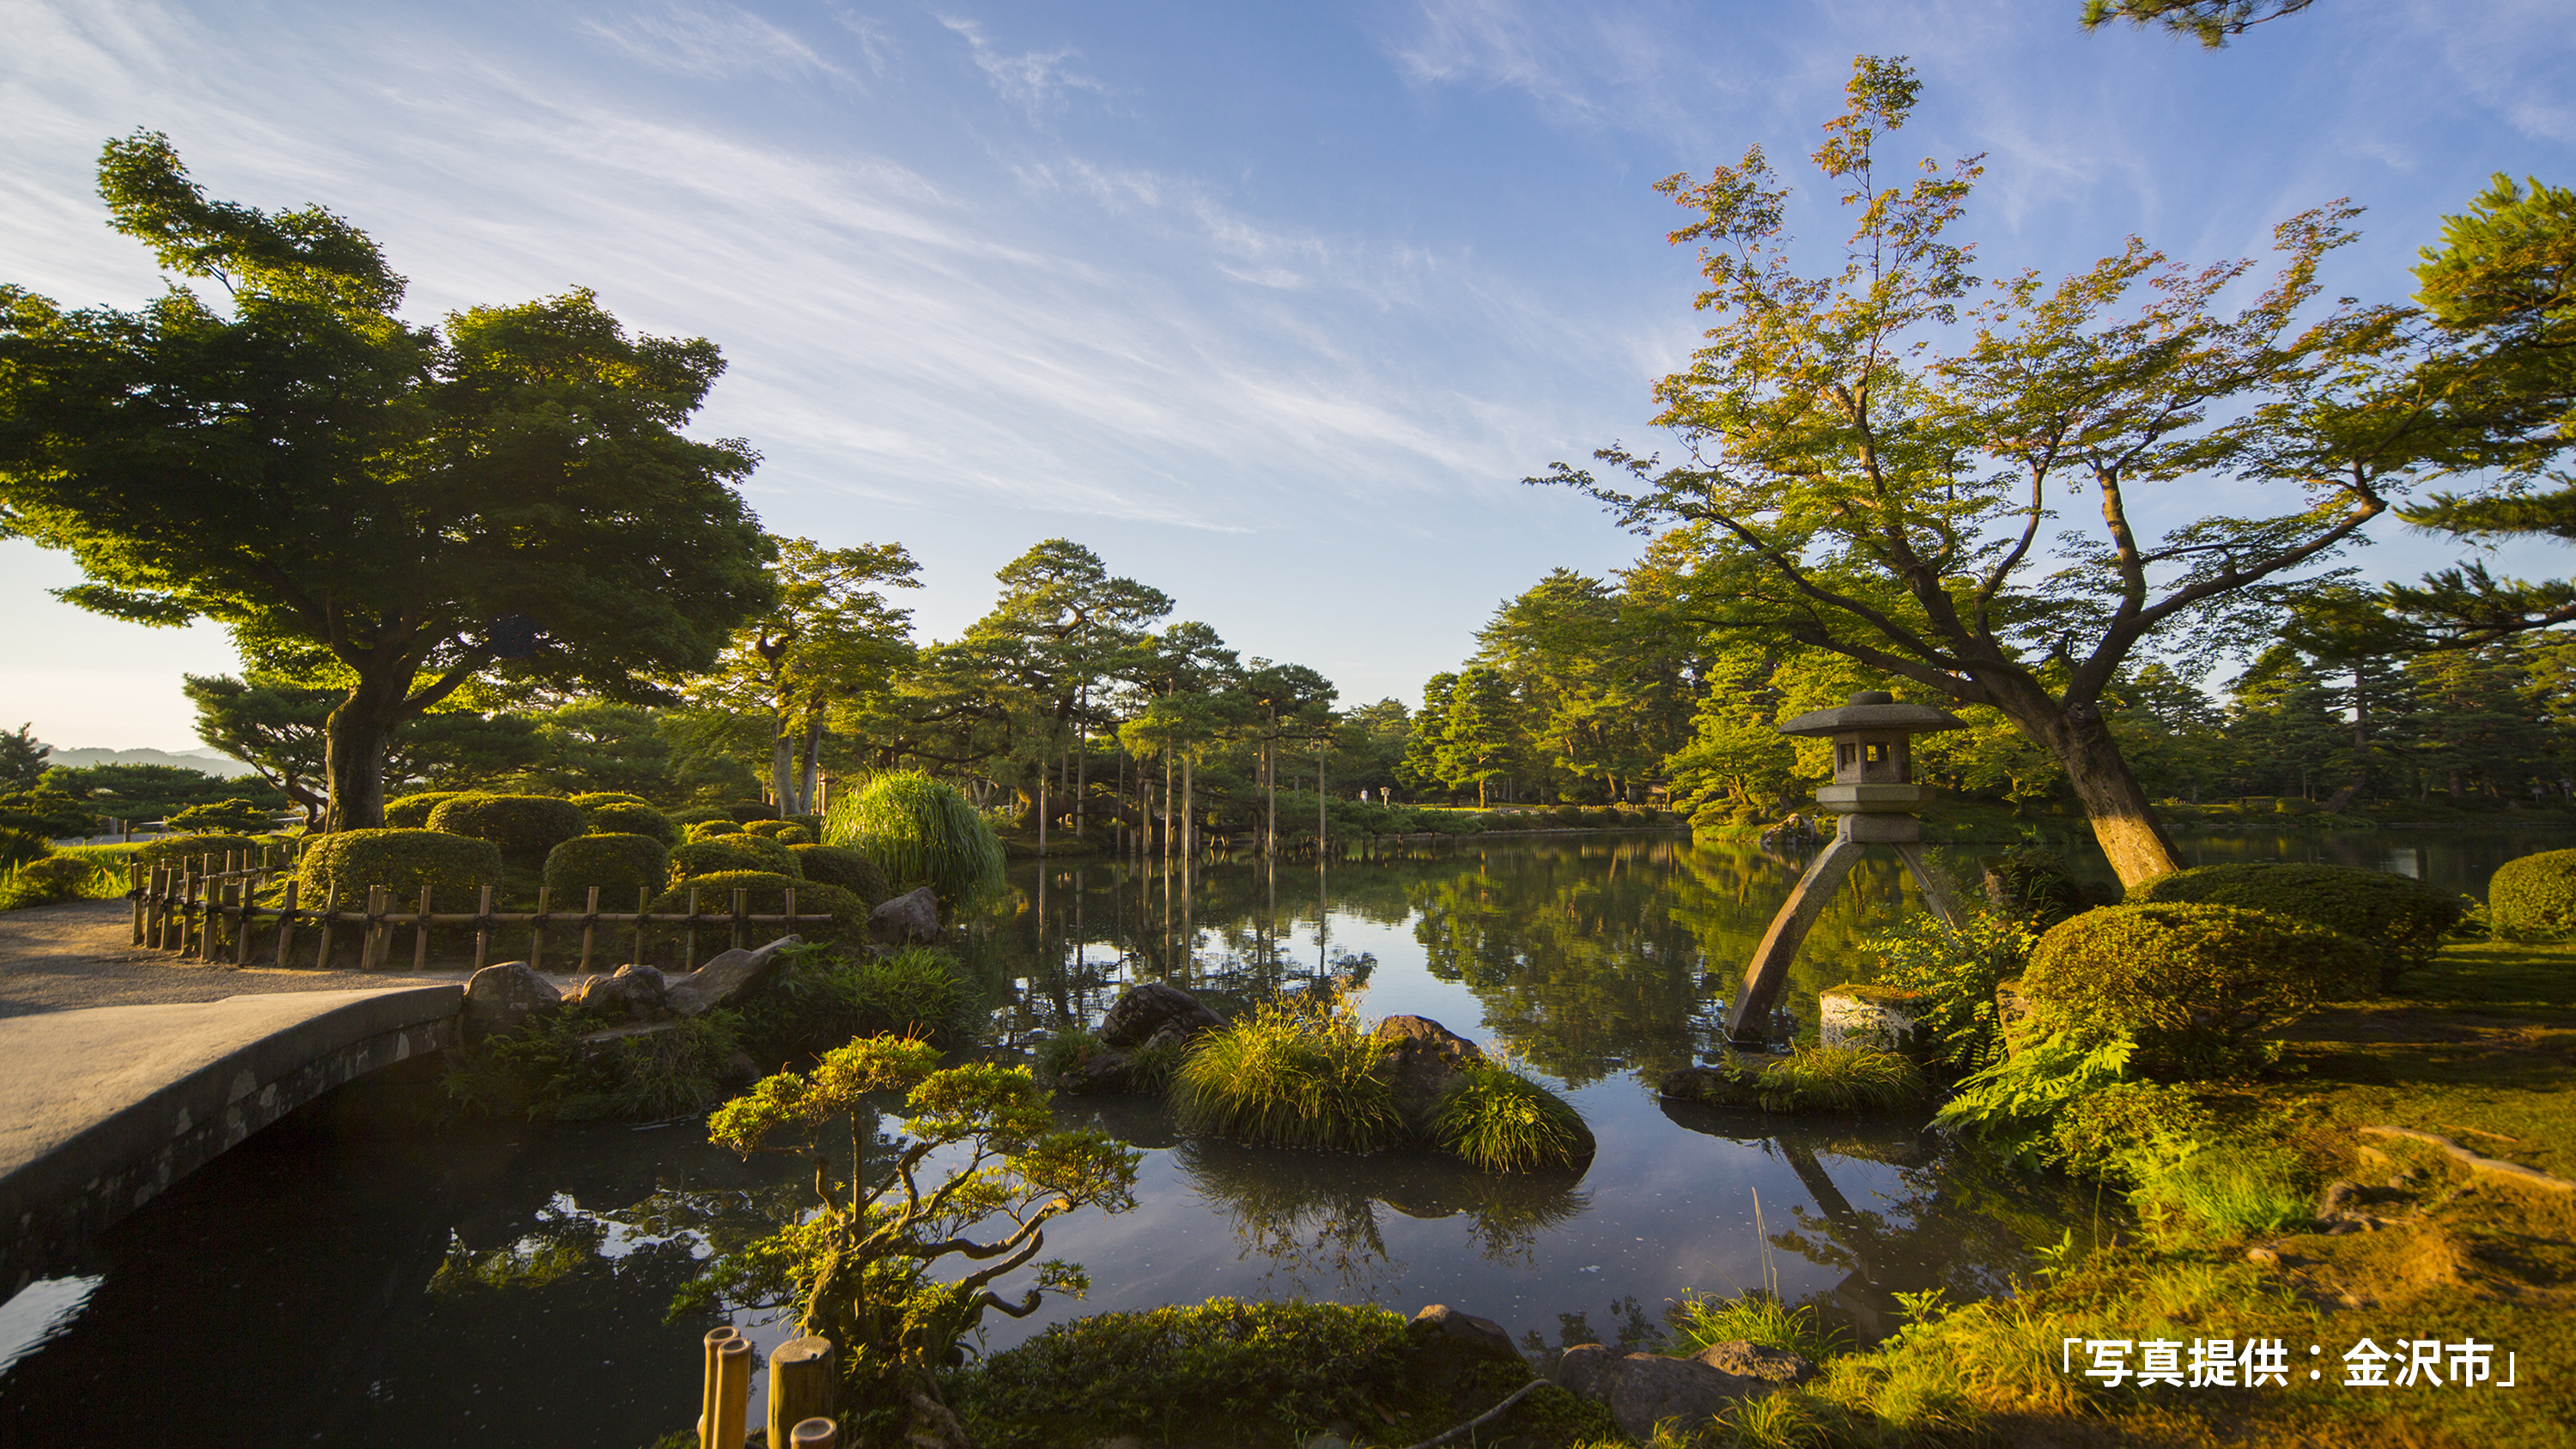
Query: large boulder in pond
(728, 978)
(1421, 1061)
(1101, 1072)
(910, 919)
(1447, 1345)
(1143, 1010)
(1642, 1390)
(635, 992)
(501, 999)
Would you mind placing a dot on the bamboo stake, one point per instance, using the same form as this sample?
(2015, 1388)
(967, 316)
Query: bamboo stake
(136, 876)
(800, 1388)
(643, 903)
(191, 928)
(589, 925)
(156, 882)
(741, 907)
(420, 933)
(711, 1376)
(483, 927)
(731, 1421)
(537, 931)
(241, 927)
(286, 926)
(330, 908)
(689, 958)
(791, 910)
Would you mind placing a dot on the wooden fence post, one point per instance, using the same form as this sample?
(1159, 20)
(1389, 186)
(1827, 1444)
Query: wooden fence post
(137, 877)
(689, 956)
(330, 908)
(709, 1376)
(420, 933)
(189, 921)
(537, 931)
(241, 927)
(790, 904)
(589, 925)
(483, 927)
(379, 934)
(741, 908)
(800, 1387)
(643, 903)
(286, 925)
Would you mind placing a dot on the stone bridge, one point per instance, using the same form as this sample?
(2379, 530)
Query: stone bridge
(101, 1109)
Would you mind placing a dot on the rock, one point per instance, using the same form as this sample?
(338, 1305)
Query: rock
(1747, 1360)
(2266, 1257)
(600, 1043)
(1103, 1071)
(1643, 1390)
(1422, 1060)
(2337, 1197)
(1447, 1344)
(1173, 1036)
(1877, 1017)
(911, 919)
(501, 999)
(729, 978)
(1712, 1086)
(1146, 1008)
(1585, 1371)
(637, 992)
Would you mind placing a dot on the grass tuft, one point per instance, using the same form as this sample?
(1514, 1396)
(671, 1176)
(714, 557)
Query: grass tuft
(1500, 1121)
(2238, 1190)
(1756, 1317)
(1291, 1078)
(1842, 1079)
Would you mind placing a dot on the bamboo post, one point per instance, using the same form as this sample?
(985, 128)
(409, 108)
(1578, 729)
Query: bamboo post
(241, 927)
(286, 925)
(330, 907)
(643, 903)
(380, 932)
(712, 1374)
(156, 882)
(815, 1434)
(741, 908)
(189, 926)
(689, 953)
(589, 925)
(800, 1387)
(483, 927)
(791, 910)
(537, 931)
(137, 879)
(730, 1422)
(420, 933)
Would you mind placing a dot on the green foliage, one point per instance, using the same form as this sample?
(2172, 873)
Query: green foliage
(151, 792)
(886, 1268)
(22, 759)
(767, 895)
(1170, 1374)
(770, 829)
(710, 829)
(1841, 1079)
(620, 865)
(173, 850)
(825, 1000)
(2128, 1131)
(524, 827)
(2398, 919)
(692, 816)
(411, 812)
(851, 871)
(342, 865)
(49, 880)
(2193, 986)
(1291, 1077)
(1953, 974)
(1756, 1317)
(2014, 1104)
(1500, 1121)
(43, 813)
(542, 1074)
(592, 800)
(2534, 897)
(625, 817)
(919, 831)
(237, 817)
(2036, 882)
(731, 852)
(2237, 1188)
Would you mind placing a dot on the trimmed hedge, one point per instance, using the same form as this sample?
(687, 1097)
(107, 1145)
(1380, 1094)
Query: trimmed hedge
(794, 835)
(411, 812)
(620, 865)
(710, 829)
(525, 827)
(851, 871)
(597, 798)
(2193, 985)
(731, 852)
(772, 828)
(619, 817)
(2534, 895)
(345, 863)
(745, 814)
(172, 849)
(695, 814)
(768, 896)
(2399, 919)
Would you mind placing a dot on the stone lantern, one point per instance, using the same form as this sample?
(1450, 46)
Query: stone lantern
(1873, 790)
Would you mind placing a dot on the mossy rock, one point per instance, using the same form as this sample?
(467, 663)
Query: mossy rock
(178, 850)
(619, 817)
(411, 812)
(341, 866)
(2193, 985)
(851, 871)
(2535, 895)
(620, 865)
(525, 827)
(732, 852)
(2399, 919)
(767, 896)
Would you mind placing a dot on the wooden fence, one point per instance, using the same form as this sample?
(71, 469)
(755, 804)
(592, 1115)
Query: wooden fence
(203, 907)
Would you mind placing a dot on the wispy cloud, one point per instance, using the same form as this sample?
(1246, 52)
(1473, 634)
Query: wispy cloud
(713, 40)
(1034, 80)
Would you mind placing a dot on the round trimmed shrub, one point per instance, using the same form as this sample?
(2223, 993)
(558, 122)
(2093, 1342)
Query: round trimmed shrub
(343, 864)
(597, 798)
(732, 852)
(794, 835)
(690, 815)
(618, 817)
(174, 849)
(411, 812)
(747, 813)
(851, 871)
(2534, 895)
(2398, 918)
(770, 828)
(620, 865)
(710, 829)
(2193, 985)
(768, 897)
(525, 827)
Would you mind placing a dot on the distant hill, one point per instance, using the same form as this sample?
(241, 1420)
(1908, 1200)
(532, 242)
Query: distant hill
(211, 762)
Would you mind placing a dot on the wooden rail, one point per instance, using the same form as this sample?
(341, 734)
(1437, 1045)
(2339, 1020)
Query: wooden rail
(186, 907)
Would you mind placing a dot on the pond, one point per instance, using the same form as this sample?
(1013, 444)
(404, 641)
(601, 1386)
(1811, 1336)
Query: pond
(358, 1274)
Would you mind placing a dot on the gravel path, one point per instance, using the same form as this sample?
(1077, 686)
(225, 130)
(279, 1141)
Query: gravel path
(56, 958)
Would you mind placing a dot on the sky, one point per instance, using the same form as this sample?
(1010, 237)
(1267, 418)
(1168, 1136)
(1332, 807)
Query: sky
(1271, 306)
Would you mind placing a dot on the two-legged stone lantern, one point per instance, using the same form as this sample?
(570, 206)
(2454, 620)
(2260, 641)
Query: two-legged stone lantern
(1875, 794)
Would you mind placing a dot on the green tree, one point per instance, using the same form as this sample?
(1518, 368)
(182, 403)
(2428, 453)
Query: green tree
(281, 729)
(1292, 703)
(1481, 733)
(2284, 723)
(153, 792)
(509, 490)
(1420, 767)
(2211, 22)
(1857, 482)
(1601, 677)
(22, 758)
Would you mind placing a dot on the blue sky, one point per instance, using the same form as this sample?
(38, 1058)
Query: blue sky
(1270, 306)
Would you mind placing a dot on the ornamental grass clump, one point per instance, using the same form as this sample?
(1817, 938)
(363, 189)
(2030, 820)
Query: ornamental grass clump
(1841, 1079)
(1289, 1077)
(1755, 1317)
(919, 831)
(1500, 1121)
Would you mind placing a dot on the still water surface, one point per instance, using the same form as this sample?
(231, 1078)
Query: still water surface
(350, 1276)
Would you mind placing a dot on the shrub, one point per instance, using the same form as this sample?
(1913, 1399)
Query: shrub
(711, 829)
(236, 817)
(763, 854)
(524, 827)
(47, 880)
(2129, 1131)
(795, 835)
(411, 812)
(2192, 985)
(2015, 1104)
(768, 897)
(173, 850)
(746, 813)
(1954, 974)
(706, 857)
(919, 831)
(1755, 1317)
(344, 864)
(2397, 918)
(620, 865)
(771, 828)
(689, 815)
(847, 869)
(542, 1073)
(619, 817)
(824, 1001)
(1289, 1077)
(597, 798)
(2534, 896)
(1500, 1121)
(1841, 1079)
(2035, 884)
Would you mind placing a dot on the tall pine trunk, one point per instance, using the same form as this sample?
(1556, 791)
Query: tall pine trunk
(354, 749)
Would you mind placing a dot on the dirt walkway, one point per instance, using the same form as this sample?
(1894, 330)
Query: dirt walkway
(57, 958)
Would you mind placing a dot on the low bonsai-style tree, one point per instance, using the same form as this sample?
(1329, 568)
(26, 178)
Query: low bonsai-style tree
(860, 1271)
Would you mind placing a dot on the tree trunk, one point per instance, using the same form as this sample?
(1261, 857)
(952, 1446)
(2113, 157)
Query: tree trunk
(2122, 818)
(354, 751)
(809, 770)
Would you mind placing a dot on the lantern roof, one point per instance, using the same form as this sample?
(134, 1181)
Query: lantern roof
(1874, 710)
